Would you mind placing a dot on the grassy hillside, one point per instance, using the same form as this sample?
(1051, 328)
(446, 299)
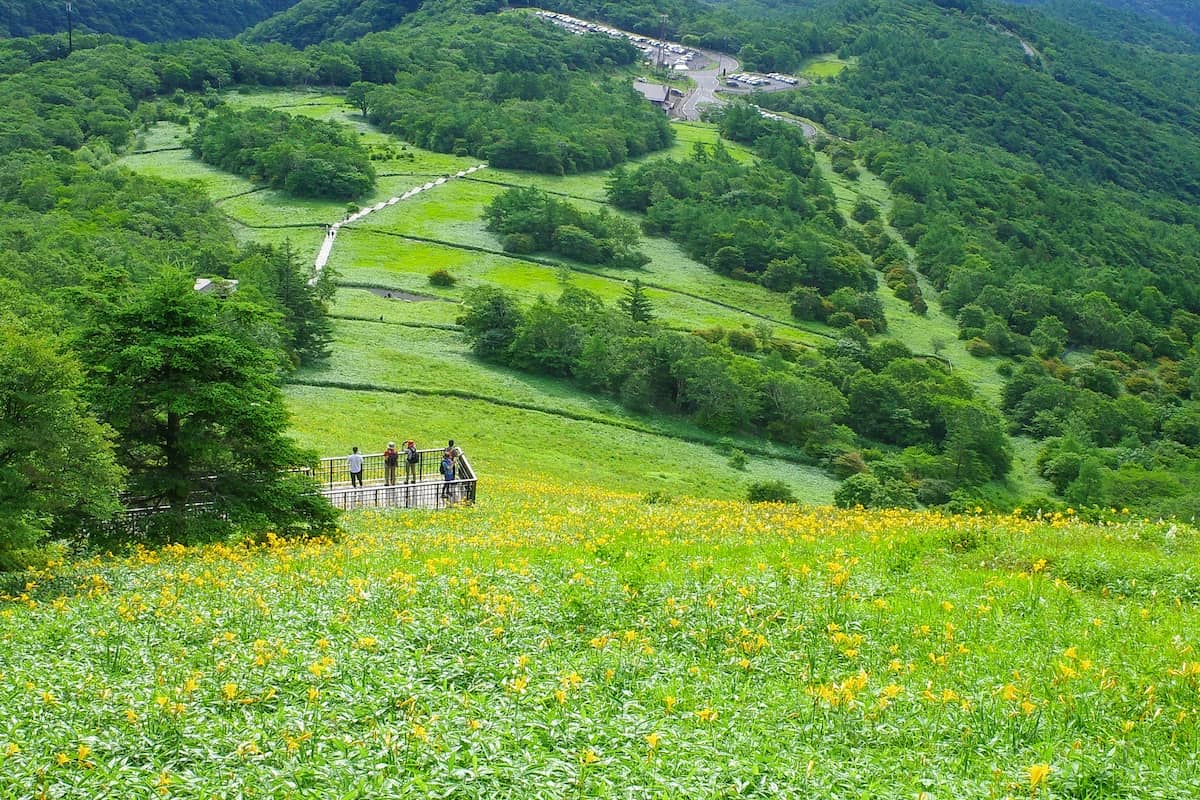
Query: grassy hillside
(575, 643)
(392, 376)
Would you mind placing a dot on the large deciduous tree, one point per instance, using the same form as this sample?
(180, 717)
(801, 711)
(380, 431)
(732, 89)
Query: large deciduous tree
(56, 460)
(192, 393)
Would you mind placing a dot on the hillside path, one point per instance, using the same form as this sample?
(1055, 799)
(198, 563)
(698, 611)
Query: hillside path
(332, 232)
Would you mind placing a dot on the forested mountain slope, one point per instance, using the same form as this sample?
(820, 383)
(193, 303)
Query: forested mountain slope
(312, 21)
(1092, 13)
(148, 22)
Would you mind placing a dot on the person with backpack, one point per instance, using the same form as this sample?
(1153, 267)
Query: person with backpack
(391, 460)
(412, 460)
(448, 474)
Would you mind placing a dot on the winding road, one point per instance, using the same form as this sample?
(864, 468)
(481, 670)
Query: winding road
(707, 82)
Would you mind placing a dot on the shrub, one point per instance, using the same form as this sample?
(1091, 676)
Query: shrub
(769, 492)
(857, 490)
(520, 243)
(847, 464)
(864, 210)
(934, 492)
(980, 349)
(738, 459)
(742, 341)
(440, 277)
(841, 319)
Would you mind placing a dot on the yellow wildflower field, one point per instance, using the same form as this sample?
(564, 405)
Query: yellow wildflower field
(559, 642)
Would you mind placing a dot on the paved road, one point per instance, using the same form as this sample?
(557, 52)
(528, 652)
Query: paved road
(707, 82)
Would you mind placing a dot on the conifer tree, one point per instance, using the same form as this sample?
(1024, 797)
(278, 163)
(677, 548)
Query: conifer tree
(635, 303)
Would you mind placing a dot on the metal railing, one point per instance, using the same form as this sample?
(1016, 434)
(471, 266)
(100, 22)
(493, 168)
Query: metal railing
(423, 486)
(419, 485)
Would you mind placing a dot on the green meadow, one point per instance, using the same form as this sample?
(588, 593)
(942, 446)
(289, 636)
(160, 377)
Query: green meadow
(400, 341)
(564, 642)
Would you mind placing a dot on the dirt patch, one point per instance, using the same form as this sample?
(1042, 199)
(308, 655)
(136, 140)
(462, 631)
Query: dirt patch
(395, 294)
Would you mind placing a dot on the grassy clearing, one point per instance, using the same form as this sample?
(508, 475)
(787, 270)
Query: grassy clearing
(565, 643)
(452, 213)
(179, 165)
(161, 135)
(389, 356)
(364, 257)
(514, 443)
(823, 66)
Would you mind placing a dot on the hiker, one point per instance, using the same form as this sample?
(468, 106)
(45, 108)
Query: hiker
(447, 473)
(391, 459)
(354, 463)
(412, 460)
(452, 451)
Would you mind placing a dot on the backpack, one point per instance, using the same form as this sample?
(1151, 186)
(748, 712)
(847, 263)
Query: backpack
(413, 456)
(391, 458)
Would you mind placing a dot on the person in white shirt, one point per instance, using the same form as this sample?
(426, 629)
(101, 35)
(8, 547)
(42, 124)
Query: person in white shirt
(354, 463)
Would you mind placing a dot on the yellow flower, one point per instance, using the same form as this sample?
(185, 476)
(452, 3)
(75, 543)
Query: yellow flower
(706, 714)
(669, 701)
(653, 739)
(229, 691)
(588, 757)
(474, 724)
(12, 749)
(1037, 774)
(131, 716)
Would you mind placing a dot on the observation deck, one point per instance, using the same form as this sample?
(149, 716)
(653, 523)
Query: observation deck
(425, 487)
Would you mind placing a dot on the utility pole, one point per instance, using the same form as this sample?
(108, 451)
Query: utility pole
(70, 32)
(662, 27)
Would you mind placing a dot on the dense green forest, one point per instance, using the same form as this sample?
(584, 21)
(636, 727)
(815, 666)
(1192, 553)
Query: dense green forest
(309, 22)
(529, 220)
(774, 222)
(1052, 201)
(157, 388)
(303, 157)
(1120, 18)
(939, 438)
(522, 95)
(148, 22)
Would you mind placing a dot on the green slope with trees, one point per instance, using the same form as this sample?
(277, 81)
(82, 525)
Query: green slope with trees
(148, 22)
(1045, 183)
(1130, 20)
(309, 22)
